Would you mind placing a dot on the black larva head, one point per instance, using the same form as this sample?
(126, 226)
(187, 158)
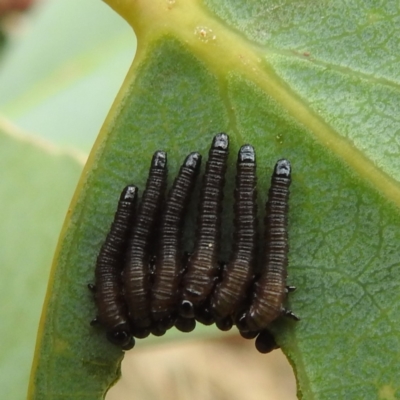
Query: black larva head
(265, 342)
(158, 331)
(121, 336)
(249, 334)
(185, 324)
(283, 168)
(224, 324)
(193, 160)
(140, 333)
(186, 309)
(220, 141)
(247, 154)
(204, 315)
(129, 193)
(159, 159)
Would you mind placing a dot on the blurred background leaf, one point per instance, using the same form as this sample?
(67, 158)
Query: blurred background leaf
(35, 193)
(60, 78)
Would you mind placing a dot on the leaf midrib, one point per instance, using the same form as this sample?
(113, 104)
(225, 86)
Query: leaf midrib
(157, 19)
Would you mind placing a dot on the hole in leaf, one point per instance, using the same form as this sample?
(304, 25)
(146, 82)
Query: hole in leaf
(226, 368)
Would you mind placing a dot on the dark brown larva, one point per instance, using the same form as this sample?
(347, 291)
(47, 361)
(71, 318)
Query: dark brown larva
(159, 287)
(168, 267)
(111, 307)
(203, 267)
(136, 276)
(237, 276)
(270, 290)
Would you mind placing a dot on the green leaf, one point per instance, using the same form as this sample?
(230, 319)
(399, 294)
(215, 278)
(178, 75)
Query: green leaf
(36, 187)
(315, 83)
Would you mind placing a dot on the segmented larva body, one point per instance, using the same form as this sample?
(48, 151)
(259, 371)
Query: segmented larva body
(203, 266)
(238, 274)
(111, 307)
(136, 277)
(270, 290)
(168, 267)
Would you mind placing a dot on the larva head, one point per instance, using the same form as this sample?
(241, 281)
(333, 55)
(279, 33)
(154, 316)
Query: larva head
(265, 342)
(158, 331)
(159, 159)
(247, 154)
(204, 315)
(121, 336)
(140, 333)
(186, 309)
(220, 141)
(249, 334)
(224, 324)
(283, 168)
(129, 193)
(185, 324)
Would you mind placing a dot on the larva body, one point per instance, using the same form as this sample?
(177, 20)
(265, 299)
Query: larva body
(203, 266)
(238, 274)
(112, 310)
(168, 268)
(270, 290)
(136, 277)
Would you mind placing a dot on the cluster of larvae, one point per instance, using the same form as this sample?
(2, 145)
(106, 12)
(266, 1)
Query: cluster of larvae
(146, 283)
